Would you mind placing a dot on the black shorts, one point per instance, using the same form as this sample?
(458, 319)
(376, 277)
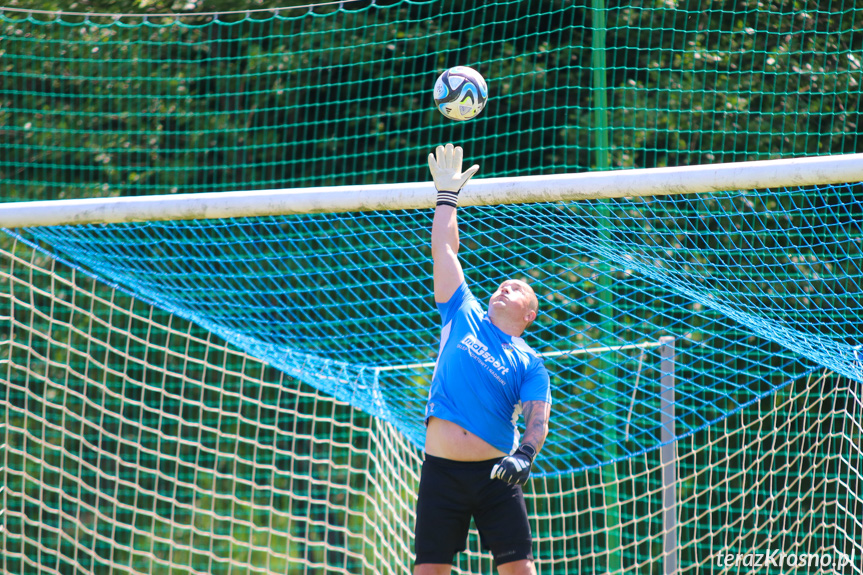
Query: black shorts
(450, 493)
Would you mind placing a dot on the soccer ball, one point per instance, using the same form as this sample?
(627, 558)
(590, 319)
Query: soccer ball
(460, 93)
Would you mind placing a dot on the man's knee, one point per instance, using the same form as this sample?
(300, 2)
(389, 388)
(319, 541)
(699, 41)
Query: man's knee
(522, 567)
(432, 569)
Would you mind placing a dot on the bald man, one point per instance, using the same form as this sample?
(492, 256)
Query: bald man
(485, 377)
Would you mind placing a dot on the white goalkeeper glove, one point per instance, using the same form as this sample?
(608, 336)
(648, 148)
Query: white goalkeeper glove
(447, 174)
(515, 468)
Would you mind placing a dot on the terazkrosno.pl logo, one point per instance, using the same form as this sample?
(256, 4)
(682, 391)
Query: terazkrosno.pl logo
(775, 558)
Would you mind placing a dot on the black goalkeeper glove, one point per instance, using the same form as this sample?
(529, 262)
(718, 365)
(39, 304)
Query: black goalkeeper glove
(515, 468)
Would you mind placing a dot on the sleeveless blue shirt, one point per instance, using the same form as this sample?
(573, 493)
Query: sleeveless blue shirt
(483, 375)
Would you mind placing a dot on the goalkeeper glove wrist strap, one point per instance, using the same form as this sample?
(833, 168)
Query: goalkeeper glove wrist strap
(527, 450)
(447, 199)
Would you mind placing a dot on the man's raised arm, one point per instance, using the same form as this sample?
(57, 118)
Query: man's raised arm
(449, 180)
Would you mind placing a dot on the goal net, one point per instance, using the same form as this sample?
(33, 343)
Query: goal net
(244, 395)
(251, 398)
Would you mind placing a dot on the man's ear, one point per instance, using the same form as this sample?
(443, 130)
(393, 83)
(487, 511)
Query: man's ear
(530, 316)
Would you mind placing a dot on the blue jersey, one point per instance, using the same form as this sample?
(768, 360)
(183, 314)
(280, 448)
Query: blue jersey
(482, 374)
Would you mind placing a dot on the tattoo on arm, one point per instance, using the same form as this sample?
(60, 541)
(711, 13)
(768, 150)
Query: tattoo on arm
(536, 414)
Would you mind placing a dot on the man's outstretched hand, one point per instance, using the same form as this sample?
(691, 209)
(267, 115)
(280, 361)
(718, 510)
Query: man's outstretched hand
(446, 172)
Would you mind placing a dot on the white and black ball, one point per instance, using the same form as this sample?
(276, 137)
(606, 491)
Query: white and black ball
(460, 93)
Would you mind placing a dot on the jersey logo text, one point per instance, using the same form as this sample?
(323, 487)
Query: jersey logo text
(479, 351)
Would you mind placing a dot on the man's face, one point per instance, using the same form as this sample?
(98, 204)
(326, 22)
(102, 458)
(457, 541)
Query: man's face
(515, 300)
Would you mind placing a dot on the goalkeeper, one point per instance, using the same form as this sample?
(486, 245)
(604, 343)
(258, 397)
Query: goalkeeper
(485, 376)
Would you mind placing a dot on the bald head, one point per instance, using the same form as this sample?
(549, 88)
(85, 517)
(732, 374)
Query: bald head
(513, 307)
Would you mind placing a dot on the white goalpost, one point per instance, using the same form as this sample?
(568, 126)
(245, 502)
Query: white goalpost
(819, 170)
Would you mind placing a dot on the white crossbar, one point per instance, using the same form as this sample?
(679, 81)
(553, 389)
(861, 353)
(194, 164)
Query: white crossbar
(485, 191)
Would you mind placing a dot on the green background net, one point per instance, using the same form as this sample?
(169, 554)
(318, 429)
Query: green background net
(246, 395)
(102, 106)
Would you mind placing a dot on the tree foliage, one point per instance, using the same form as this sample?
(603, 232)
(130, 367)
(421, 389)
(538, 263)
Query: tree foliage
(341, 94)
